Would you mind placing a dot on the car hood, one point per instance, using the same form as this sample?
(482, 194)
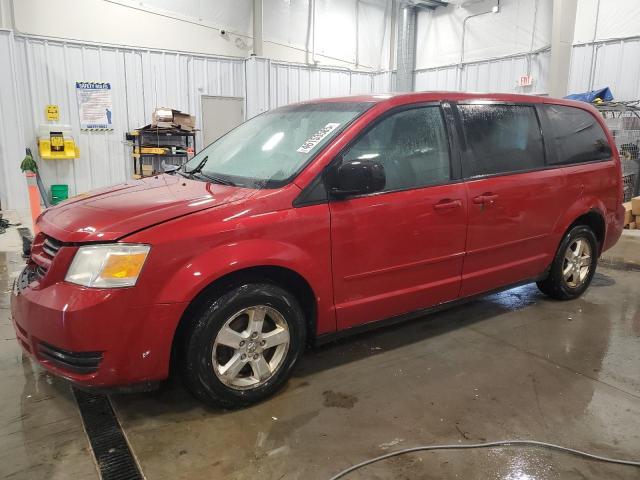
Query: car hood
(113, 212)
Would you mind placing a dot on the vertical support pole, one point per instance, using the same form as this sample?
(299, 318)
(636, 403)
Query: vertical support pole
(257, 27)
(392, 37)
(406, 49)
(562, 29)
(357, 62)
(6, 14)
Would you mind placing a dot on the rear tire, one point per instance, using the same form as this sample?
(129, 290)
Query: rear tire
(573, 266)
(243, 345)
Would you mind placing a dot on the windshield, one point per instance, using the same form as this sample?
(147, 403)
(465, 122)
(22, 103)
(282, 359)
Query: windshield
(270, 149)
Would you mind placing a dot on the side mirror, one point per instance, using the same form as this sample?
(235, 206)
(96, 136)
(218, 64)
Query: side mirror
(356, 177)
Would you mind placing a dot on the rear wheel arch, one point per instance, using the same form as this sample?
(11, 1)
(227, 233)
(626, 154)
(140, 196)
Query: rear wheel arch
(283, 277)
(587, 211)
(593, 219)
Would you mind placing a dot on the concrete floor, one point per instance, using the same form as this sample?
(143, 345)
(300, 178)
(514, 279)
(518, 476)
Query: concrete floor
(512, 365)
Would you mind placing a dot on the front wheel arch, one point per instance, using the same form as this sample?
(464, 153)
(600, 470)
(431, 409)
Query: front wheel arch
(283, 277)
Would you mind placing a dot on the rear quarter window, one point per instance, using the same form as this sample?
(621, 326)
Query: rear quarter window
(576, 136)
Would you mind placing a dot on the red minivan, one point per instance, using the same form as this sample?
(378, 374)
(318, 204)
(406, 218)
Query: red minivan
(311, 221)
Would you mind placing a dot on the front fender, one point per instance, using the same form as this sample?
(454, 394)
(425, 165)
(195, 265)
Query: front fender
(213, 264)
(187, 255)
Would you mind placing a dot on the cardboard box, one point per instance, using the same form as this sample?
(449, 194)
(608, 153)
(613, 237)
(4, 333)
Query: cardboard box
(628, 215)
(163, 117)
(633, 226)
(186, 121)
(635, 205)
(147, 170)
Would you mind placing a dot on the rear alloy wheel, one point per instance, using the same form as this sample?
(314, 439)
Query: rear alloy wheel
(577, 262)
(574, 265)
(243, 345)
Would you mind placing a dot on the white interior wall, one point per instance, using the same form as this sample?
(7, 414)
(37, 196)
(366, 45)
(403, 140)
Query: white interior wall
(271, 84)
(13, 187)
(509, 32)
(42, 67)
(613, 64)
(605, 53)
(616, 19)
(111, 22)
(195, 26)
(495, 75)
(44, 71)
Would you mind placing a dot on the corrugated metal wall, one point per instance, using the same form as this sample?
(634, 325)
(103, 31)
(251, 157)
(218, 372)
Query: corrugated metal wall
(384, 82)
(615, 64)
(141, 80)
(38, 72)
(273, 84)
(497, 75)
(13, 188)
(611, 63)
(296, 83)
(45, 71)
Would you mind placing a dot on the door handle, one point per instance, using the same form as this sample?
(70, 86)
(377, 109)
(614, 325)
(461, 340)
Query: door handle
(447, 204)
(485, 199)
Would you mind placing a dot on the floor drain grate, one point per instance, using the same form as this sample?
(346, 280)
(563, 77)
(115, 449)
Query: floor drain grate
(110, 447)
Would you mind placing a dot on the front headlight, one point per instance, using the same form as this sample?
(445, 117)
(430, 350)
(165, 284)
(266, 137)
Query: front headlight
(107, 266)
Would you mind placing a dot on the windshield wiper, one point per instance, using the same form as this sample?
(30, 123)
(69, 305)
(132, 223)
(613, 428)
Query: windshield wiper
(212, 178)
(182, 174)
(198, 172)
(199, 167)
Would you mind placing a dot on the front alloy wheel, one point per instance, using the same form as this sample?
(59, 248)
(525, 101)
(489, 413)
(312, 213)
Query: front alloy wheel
(250, 347)
(242, 345)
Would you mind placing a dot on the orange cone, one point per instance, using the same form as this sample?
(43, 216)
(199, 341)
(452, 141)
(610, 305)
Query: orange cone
(34, 199)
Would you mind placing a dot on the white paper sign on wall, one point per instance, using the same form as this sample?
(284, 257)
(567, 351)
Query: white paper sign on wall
(94, 105)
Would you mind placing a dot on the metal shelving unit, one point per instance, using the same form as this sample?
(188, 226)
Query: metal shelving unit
(153, 146)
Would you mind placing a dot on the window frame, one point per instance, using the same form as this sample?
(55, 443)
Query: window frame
(309, 195)
(553, 151)
(464, 148)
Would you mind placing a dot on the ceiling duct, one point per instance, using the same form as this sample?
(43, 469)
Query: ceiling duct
(406, 46)
(406, 55)
(430, 4)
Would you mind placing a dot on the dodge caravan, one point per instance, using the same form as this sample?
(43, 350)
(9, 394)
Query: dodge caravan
(311, 221)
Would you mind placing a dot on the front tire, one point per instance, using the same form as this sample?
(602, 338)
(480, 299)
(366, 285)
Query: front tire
(573, 266)
(243, 345)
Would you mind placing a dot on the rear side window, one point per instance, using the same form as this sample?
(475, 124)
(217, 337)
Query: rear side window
(412, 145)
(576, 136)
(501, 139)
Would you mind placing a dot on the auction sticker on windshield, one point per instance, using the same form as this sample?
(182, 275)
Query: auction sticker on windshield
(317, 137)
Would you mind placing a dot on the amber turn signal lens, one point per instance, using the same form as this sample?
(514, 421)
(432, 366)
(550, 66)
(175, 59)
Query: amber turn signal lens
(123, 266)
